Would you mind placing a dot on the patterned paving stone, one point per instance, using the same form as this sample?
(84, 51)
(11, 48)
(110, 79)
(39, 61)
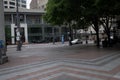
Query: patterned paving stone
(66, 77)
(67, 68)
(105, 67)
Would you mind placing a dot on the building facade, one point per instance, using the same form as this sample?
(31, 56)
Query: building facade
(33, 28)
(38, 4)
(9, 4)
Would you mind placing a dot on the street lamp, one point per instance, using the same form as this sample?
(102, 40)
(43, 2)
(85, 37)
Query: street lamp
(18, 36)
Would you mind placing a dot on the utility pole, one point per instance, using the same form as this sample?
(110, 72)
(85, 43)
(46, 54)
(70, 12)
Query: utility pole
(18, 35)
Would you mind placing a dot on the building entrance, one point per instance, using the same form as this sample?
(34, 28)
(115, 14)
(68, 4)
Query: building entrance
(22, 34)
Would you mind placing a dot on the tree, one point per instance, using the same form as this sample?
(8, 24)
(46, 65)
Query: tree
(83, 12)
(108, 9)
(53, 12)
(67, 11)
(62, 12)
(101, 12)
(91, 16)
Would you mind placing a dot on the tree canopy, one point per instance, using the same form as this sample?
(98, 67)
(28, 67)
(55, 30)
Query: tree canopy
(83, 12)
(61, 11)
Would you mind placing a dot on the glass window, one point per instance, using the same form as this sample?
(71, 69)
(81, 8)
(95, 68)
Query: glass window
(12, 7)
(38, 20)
(5, 2)
(21, 18)
(24, 6)
(23, 1)
(8, 19)
(5, 6)
(18, 0)
(48, 30)
(19, 4)
(12, 3)
(35, 30)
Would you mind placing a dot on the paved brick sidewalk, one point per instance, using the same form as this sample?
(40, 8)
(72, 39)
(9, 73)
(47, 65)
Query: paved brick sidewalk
(61, 62)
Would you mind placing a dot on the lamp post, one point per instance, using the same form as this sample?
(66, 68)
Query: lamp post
(18, 36)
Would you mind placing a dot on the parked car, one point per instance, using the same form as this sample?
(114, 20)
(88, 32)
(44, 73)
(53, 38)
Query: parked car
(76, 41)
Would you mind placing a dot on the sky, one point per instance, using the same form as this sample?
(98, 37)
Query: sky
(28, 2)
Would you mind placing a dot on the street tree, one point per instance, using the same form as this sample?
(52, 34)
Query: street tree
(101, 12)
(83, 12)
(90, 14)
(108, 10)
(62, 12)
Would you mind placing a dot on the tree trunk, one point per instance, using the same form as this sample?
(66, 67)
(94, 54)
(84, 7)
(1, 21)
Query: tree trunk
(97, 35)
(70, 35)
(109, 40)
(95, 22)
(75, 35)
(108, 32)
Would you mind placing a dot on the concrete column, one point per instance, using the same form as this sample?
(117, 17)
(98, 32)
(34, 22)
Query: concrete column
(3, 57)
(13, 33)
(2, 31)
(25, 18)
(12, 19)
(26, 33)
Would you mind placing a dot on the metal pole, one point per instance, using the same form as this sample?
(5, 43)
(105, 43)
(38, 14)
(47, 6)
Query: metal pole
(18, 36)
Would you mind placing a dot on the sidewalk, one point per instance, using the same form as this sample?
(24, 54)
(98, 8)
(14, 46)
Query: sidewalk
(61, 62)
(40, 45)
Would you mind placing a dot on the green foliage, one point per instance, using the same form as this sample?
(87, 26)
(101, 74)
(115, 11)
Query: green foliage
(59, 12)
(62, 11)
(108, 7)
(8, 33)
(54, 11)
(83, 13)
